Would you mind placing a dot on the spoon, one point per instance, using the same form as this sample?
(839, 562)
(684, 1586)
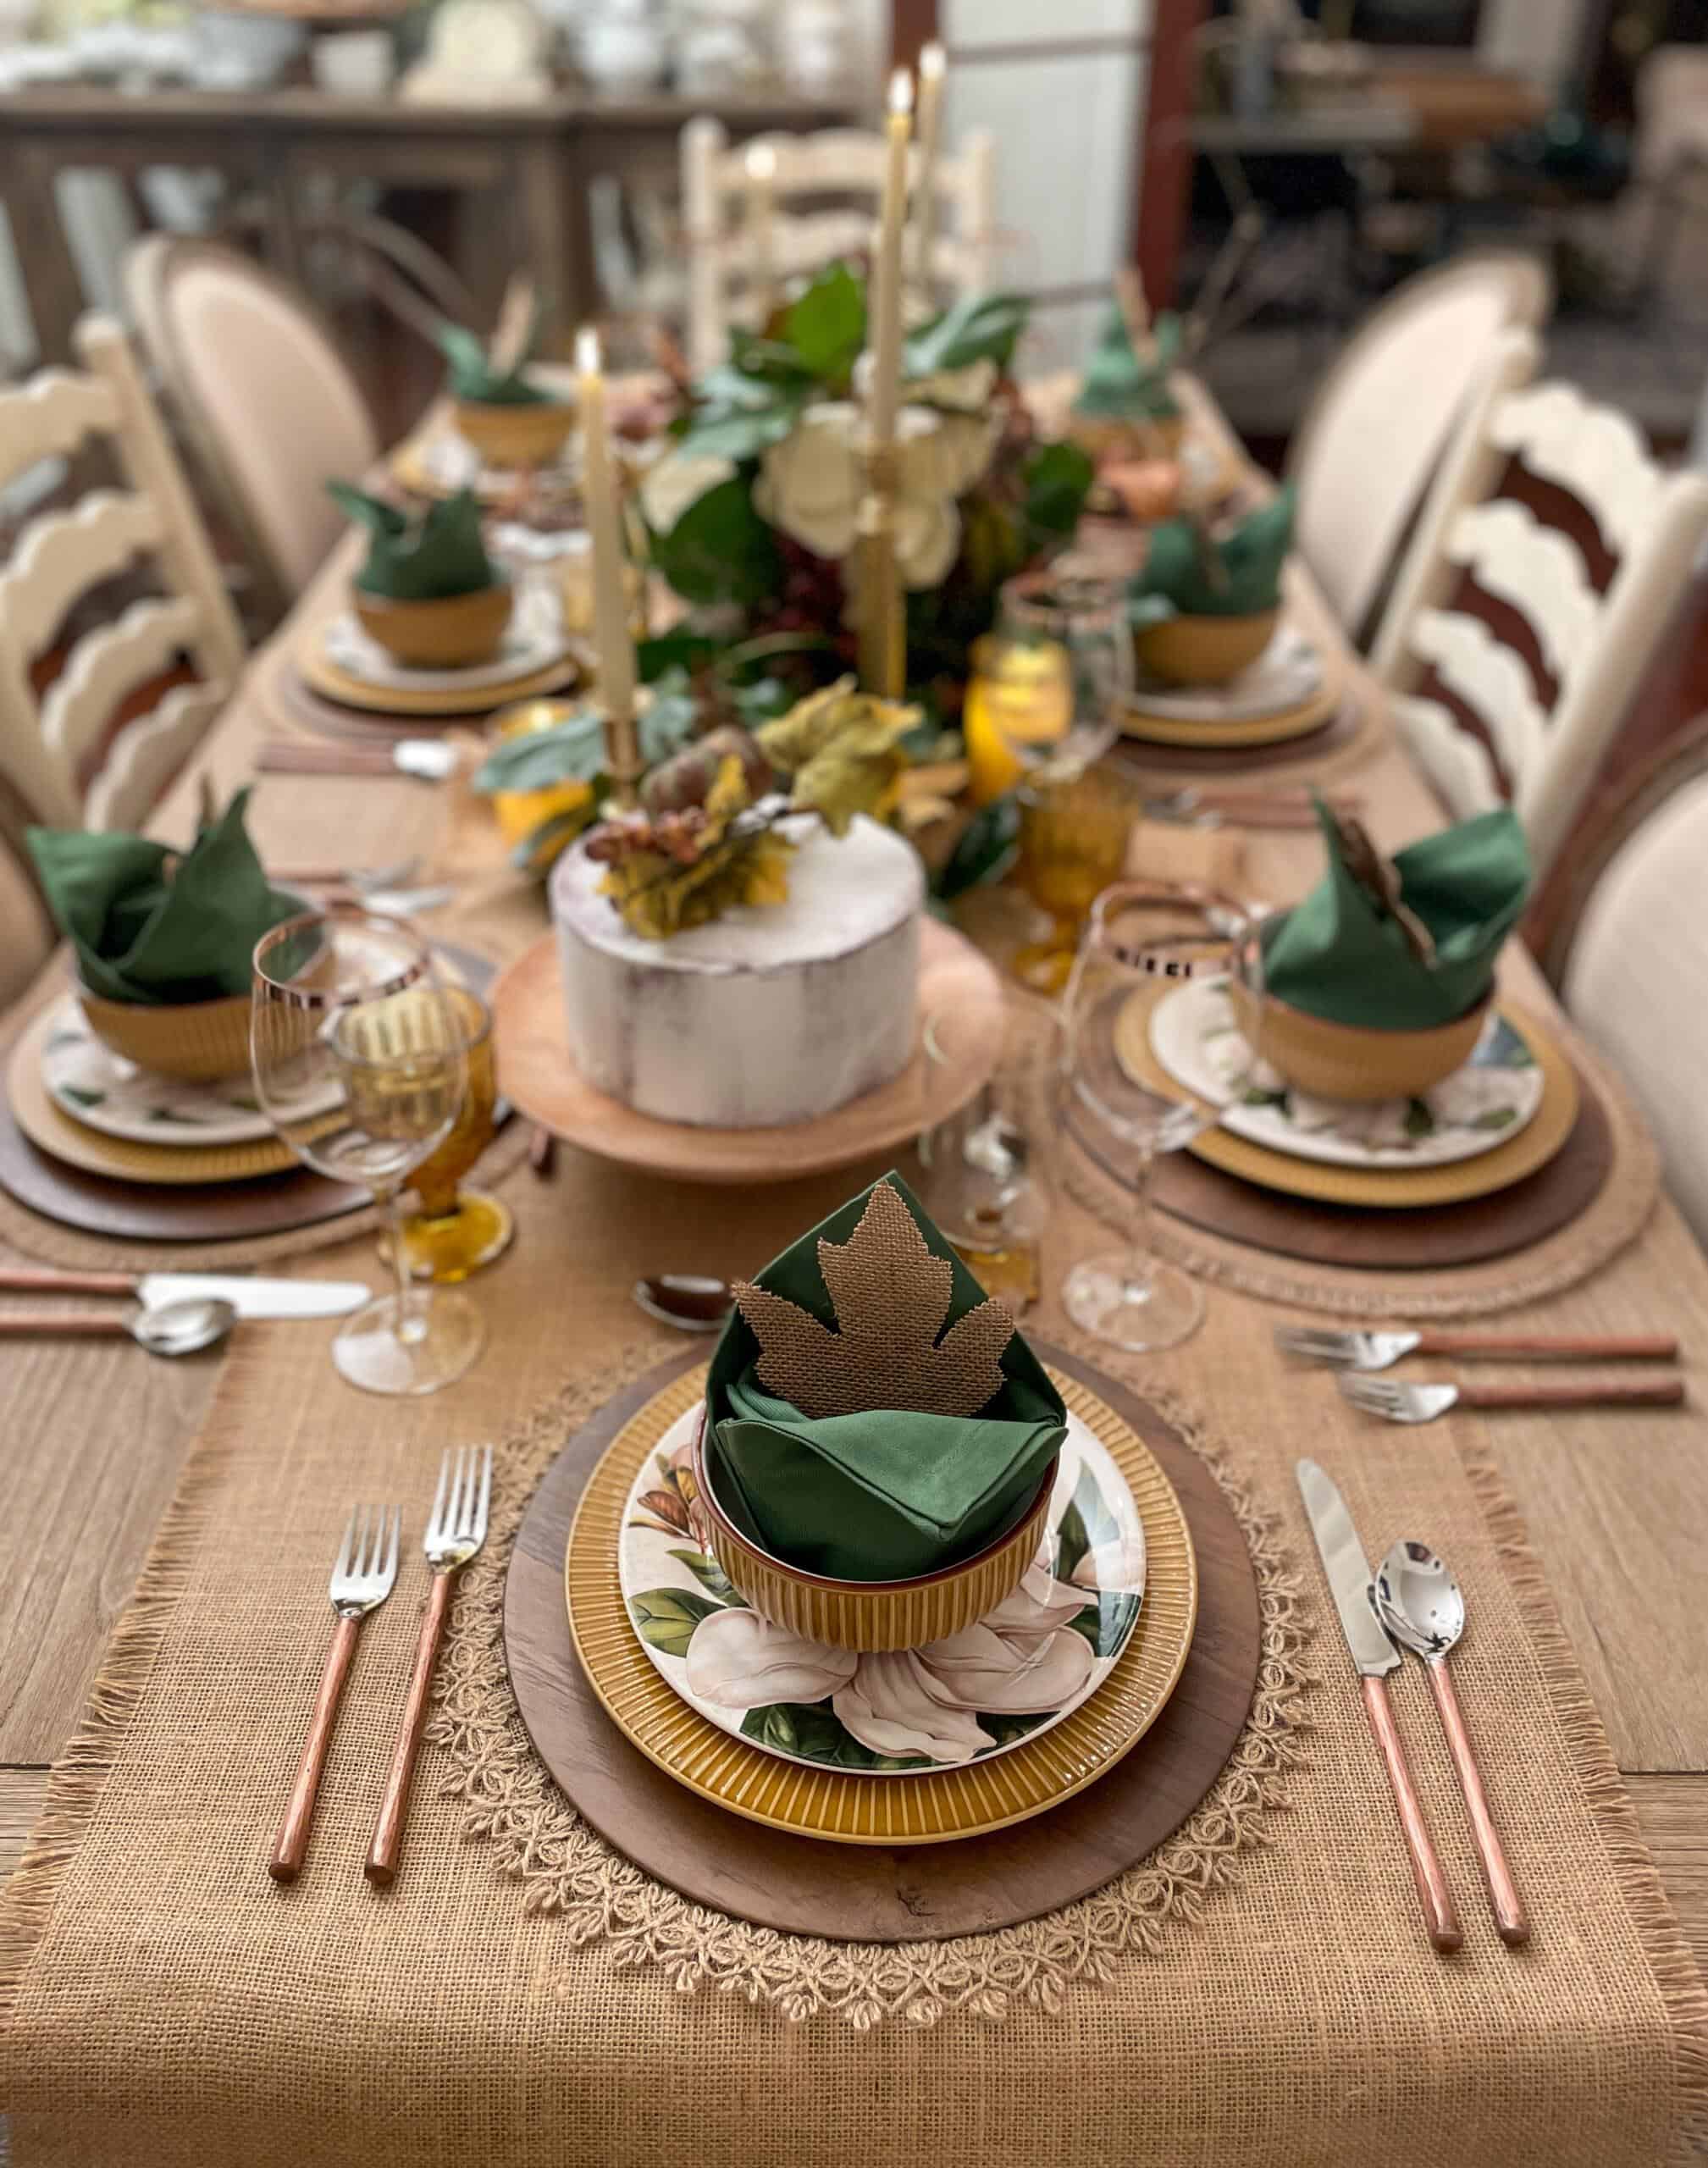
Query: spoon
(174, 1329)
(689, 1301)
(1420, 1602)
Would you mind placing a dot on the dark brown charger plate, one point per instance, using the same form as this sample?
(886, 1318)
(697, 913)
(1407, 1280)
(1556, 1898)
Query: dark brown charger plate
(191, 1212)
(1331, 736)
(1428, 1238)
(859, 1893)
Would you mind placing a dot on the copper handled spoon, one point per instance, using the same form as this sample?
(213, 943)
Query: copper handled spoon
(1420, 1602)
(691, 1301)
(183, 1328)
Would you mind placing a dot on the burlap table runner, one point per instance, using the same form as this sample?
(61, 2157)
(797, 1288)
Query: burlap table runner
(170, 2006)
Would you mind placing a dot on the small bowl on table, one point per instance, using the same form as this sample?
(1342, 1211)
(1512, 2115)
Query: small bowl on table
(1359, 1062)
(871, 1616)
(196, 1042)
(1202, 650)
(527, 433)
(446, 632)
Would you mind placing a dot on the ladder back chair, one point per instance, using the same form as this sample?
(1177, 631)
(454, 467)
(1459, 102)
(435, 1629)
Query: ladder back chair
(819, 169)
(59, 753)
(1503, 731)
(1384, 415)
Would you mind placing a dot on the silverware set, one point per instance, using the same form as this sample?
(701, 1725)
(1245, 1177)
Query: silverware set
(1414, 1604)
(1283, 806)
(363, 1576)
(1354, 1356)
(177, 1313)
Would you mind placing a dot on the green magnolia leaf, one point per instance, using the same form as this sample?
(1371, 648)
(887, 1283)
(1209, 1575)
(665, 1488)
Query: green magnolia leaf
(980, 327)
(1005, 1730)
(538, 848)
(570, 751)
(1496, 1118)
(712, 1579)
(666, 1618)
(1419, 1121)
(773, 361)
(1057, 478)
(79, 1096)
(1105, 1624)
(668, 722)
(720, 550)
(681, 650)
(744, 434)
(813, 1731)
(1087, 1523)
(985, 850)
(762, 700)
(827, 327)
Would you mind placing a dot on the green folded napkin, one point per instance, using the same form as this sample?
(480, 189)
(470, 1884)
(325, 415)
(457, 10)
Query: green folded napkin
(1188, 574)
(1122, 385)
(419, 558)
(1336, 955)
(146, 934)
(877, 1493)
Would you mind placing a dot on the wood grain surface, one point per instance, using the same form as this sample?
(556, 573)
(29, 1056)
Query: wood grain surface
(862, 1892)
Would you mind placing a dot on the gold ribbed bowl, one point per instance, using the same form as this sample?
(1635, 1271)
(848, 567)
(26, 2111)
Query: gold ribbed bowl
(870, 1617)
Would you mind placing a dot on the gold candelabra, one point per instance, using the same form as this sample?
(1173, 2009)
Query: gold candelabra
(883, 622)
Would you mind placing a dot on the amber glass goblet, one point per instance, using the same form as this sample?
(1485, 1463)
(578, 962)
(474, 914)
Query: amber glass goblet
(453, 1230)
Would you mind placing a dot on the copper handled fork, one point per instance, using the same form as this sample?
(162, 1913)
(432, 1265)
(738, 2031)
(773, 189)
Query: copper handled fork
(455, 1533)
(361, 1581)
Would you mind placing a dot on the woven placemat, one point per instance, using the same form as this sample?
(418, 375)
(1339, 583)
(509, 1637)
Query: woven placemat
(1320, 758)
(1561, 1260)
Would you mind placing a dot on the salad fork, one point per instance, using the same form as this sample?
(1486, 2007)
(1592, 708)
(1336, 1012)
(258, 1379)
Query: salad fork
(1399, 1403)
(455, 1533)
(1379, 1351)
(361, 1582)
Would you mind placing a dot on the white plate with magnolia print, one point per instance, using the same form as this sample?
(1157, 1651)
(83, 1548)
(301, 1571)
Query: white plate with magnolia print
(99, 1088)
(1033, 1660)
(533, 640)
(1196, 1036)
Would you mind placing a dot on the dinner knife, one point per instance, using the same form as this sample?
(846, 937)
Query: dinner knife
(1373, 1656)
(250, 1296)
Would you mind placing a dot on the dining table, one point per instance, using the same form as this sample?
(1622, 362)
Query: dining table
(100, 1436)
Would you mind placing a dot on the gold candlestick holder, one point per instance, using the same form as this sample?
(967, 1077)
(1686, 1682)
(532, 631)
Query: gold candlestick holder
(622, 759)
(883, 667)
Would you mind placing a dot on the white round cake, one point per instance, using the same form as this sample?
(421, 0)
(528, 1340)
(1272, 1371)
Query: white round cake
(771, 1014)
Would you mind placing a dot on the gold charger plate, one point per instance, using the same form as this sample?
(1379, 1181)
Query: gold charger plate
(969, 1800)
(1298, 722)
(1386, 1188)
(61, 1138)
(537, 1073)
(322, 675)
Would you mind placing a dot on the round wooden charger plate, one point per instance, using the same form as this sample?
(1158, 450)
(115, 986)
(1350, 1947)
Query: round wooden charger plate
(1387, 1189)
(1212, 763)
(536, 1071)
(48, 1126)
(934, 1807)
(323, 676)
(1284, 727)
(884, 1893)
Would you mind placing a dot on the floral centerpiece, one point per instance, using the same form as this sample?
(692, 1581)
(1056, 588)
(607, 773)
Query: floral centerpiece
(750, 515)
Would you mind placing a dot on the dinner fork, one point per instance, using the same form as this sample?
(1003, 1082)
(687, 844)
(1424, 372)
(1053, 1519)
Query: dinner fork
(455, 1533)
(1399, 1403)
(361, 1581)
(1378, 1351)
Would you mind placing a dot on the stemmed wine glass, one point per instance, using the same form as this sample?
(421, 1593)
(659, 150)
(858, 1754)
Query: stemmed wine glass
(360, 1063)
(1144, 941)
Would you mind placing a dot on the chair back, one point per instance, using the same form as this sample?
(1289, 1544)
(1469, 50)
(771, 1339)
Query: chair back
(60, 753)
(1631, 963)
(269, 408)
(1371, 438)
(825, 194)
(1524, 701)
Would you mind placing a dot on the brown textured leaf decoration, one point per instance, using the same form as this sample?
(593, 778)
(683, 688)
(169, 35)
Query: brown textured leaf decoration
(892, 1295)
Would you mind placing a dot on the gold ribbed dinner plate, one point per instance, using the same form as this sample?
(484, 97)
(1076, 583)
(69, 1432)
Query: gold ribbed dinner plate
(323, 676)
(968, 1800)
(1139, 722)
(1392, 1188)
(61, 1138)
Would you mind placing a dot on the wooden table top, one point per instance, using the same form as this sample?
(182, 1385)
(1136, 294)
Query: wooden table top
(95, 1433)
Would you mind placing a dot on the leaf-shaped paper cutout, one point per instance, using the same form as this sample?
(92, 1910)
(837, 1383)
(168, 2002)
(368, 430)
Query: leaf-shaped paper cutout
(892, 1295)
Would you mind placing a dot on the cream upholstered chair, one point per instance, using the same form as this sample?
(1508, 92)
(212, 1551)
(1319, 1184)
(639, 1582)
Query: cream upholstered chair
(59, 754)
(1380, 420)
(1541, 751)
(837, 162)
(270, 411)
(1631, 961)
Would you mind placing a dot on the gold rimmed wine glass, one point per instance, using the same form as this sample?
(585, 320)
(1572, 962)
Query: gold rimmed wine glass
(360, 1063)
(454, 1231)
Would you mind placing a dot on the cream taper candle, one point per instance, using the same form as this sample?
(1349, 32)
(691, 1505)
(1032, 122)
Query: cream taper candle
(927, 132)
(610, 606)
(760, 162)
(886, 335)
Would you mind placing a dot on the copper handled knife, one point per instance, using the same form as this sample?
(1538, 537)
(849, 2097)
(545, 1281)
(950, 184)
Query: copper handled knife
(1373, 1656)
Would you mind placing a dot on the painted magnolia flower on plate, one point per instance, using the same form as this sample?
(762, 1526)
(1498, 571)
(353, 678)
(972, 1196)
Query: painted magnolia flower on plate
(1029, 1660)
